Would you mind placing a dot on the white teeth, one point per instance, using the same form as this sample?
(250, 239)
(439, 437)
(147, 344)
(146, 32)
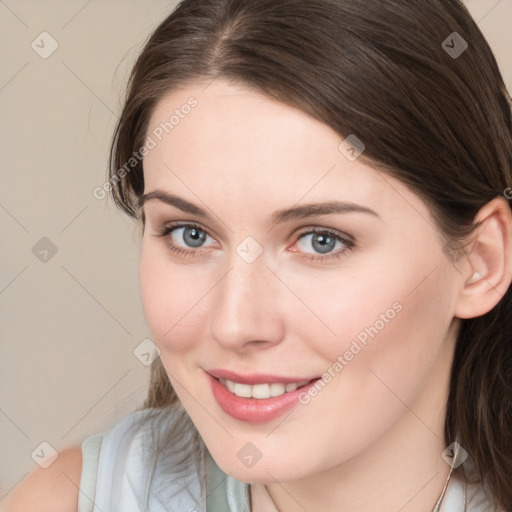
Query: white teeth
(277, 389)
(243, 390)
(260, 391)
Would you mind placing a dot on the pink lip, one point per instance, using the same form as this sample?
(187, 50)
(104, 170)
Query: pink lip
(254, 410)
(259, 378)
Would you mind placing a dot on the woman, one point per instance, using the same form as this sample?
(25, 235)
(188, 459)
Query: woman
(323, 194)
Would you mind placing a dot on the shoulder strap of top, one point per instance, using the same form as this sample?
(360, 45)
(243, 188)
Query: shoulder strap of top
(143, 466)
(90, 455)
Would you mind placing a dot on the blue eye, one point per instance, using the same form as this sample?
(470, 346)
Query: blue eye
(192, 235)
(324, 241)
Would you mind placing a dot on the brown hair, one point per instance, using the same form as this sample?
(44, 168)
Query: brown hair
(389, 73)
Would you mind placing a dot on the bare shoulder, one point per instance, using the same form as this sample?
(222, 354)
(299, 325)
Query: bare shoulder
(54, 489)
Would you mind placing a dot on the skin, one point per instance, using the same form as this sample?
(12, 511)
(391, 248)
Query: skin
(372, 438)
(54, 489)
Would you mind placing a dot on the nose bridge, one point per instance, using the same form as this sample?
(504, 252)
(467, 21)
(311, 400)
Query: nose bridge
(246, 307)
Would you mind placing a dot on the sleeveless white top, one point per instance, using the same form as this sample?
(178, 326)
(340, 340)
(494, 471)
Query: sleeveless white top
(139, 465)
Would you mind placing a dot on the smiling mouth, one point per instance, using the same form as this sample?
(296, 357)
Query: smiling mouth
(262, 391)
(257, 398)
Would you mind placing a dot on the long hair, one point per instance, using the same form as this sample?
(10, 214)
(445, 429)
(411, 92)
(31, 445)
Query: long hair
(416, 81)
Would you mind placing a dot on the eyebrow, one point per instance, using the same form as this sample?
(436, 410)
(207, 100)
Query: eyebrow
(296, 212)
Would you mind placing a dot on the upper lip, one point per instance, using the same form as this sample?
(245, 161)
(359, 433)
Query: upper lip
(255, 378)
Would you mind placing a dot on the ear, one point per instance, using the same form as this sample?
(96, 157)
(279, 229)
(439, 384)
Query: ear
(487, 265)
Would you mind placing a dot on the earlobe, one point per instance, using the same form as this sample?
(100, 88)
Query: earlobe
(487, 269)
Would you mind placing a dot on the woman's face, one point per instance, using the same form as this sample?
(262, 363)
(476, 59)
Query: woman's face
(266, 288)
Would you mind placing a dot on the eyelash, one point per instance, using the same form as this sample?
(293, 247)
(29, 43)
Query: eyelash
(349, 244)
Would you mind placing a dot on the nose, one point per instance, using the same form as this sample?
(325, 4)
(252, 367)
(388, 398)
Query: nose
(246, 314)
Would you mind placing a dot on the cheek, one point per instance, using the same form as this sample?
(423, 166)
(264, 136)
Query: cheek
(393, 322)
(171, 299)
(344, 306)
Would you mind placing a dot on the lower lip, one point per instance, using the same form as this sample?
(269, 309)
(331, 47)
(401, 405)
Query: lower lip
(255, 410)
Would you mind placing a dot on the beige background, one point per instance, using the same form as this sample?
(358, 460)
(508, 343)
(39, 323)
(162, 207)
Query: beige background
(69, 325)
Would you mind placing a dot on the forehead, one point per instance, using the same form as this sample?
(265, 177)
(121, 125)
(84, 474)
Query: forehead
(236, 142)
(231, 118)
